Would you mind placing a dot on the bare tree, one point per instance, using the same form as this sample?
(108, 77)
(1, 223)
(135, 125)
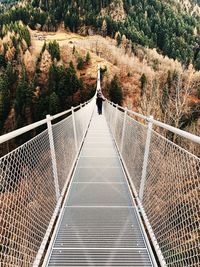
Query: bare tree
(178, 101)
(149, 103)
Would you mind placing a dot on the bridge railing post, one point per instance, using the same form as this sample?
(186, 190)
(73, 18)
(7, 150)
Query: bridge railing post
(112, 114)
(74, 129)
(123, 130)
(146, 156)
(53, 157)
(115, 120)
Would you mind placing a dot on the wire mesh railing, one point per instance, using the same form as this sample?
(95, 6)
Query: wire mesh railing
(28, 199)
(172, 201)
(166, 181)
(130, 137)
(64, 142)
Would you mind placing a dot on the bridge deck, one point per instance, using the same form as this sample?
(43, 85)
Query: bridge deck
(99, 225)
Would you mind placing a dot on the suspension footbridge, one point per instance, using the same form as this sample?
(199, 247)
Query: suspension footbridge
(99, 190)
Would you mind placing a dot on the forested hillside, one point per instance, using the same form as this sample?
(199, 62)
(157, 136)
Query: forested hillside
(34, 81)
(150, 23)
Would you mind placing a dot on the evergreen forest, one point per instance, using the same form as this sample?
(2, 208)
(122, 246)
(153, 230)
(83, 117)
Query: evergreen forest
(151, 23)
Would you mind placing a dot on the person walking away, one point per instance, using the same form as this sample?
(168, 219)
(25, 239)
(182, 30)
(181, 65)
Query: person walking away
(99, 102)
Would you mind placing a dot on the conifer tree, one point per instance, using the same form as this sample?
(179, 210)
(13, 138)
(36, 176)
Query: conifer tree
(54, 104)
(23, 99)
(88, 58)
(143, 80)
(115, 91)
(54, 50)
(80, 63)
(4, 101)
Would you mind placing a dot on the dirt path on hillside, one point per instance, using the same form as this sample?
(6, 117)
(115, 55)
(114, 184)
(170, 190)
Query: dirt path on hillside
(68, 40)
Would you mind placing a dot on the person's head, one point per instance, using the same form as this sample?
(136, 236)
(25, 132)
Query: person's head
(98, 93)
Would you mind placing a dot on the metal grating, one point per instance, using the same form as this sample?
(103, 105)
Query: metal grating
(96, 227)
(99, 162)
(108, 257)
(98, 175)
(100, 151)
(95, 145)
(98, 194)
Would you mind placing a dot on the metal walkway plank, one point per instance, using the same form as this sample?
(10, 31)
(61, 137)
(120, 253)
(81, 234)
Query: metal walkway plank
(99, 227)
(111, 257)
(98, 175)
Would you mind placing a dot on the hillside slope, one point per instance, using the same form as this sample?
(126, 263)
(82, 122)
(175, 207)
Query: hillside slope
(170, 26)
(157, 96)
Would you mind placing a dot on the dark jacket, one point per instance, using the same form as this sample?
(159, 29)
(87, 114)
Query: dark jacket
(99, 99)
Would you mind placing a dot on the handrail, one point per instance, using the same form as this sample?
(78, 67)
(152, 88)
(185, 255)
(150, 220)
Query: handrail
(128, 110)
(60, 114)
(13, 134)
(187, 135)
(180, 132)
(8, 136)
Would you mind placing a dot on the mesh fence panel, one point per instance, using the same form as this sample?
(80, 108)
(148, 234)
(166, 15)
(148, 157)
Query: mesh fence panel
(133, 149)
(171, 197)
(65, 150)
(82, 119)
(64, 142)
(79, 121)
(27, 201)
(133, 142)
(118, 127)
(27, 190)
(111, 116)
(172, 201)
